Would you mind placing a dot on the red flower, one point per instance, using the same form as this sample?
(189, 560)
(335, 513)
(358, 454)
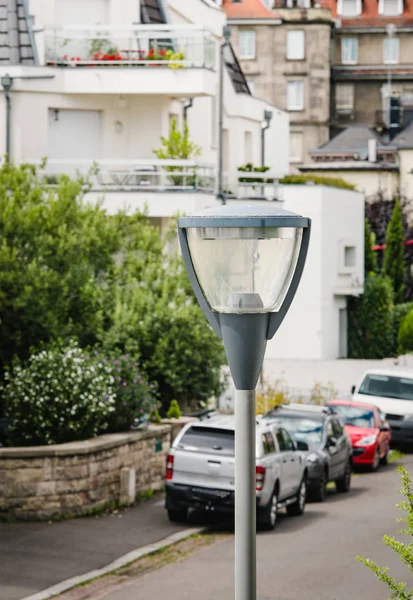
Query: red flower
(162, 52)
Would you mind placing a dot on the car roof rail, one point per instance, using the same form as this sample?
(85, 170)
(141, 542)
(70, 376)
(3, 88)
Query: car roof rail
(319, 408)
(204, 413)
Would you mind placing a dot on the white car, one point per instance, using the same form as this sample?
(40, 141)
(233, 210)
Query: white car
(392, 392)
(201, 464)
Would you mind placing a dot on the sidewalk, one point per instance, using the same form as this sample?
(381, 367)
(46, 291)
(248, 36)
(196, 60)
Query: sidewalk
(35, 556)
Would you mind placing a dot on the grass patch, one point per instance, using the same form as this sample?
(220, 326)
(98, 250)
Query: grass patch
(395, 456)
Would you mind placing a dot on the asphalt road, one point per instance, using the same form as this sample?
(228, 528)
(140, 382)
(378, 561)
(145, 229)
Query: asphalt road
(310, 557)
(35, 556)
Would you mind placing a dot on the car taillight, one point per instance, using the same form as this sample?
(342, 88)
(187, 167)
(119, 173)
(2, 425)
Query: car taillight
(169, 467)
(259, 478)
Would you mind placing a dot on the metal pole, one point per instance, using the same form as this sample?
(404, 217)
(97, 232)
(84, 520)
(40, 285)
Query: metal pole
(263, 146)
(8, 125)
(220, 191)
(245, 498)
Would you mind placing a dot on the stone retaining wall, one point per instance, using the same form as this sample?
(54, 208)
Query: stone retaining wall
(42, 482)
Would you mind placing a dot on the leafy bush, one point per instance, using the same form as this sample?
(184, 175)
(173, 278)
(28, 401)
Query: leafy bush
(370, 258)
(370, 323)
(62, 395)
(405, 338)
(174, 412)
(293, 179)
(270, 395)
(135, 398)
(178, 146)
(400, 311)
(393, 264)
(399, 590)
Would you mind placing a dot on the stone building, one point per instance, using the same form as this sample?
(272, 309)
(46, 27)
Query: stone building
(285, 55)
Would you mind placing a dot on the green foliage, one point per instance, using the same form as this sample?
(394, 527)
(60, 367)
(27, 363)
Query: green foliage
(54, 254)
(400, 311)
(293, 179)
(393, 265)
(174, 412)
(152, 314)
(102, 45)
(370, 331)
(156, 417)
(178, 146)
(399, 590)
(135, 397)
(61, 395)
(405, 337)
(370, 258)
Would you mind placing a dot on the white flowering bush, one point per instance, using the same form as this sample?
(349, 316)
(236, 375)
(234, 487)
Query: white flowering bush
(62, 394)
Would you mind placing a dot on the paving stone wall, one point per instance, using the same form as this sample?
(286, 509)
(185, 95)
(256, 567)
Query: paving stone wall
(79, 478)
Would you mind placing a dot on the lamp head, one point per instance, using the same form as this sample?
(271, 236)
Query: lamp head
(226, 32)
(6, 81)
(267, 115)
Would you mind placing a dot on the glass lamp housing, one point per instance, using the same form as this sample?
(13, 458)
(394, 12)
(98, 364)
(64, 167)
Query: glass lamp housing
(244, 269)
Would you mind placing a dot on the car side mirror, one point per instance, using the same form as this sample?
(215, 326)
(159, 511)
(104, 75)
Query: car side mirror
(384, 428)
(353, 389)
(331, 442)
(302, 446)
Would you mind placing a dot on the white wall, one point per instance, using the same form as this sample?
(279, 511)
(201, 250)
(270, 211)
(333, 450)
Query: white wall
(124, 12)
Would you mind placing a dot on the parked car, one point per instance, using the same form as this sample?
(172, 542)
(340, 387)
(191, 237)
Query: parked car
(200, 470)
(368, 431)
(330, 450)
(392, 392)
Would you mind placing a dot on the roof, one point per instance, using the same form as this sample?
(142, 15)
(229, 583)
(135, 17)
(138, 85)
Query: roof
(283, 411)
(370, 16)
(16, 41)
(152, 12)
(354, 139)
(405, 138)
(249, 9)
(349, 165)
(235, 72)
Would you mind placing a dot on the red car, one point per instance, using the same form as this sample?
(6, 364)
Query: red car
(368, 431)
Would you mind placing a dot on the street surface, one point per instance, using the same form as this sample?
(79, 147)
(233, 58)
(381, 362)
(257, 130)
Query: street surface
(310, 557)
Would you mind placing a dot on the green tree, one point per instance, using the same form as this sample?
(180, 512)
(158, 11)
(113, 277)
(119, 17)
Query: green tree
(154, 316)
(55, 253)
(370, 258)
(405, 338)
(370, 320)
(393, 265)
(399, 590)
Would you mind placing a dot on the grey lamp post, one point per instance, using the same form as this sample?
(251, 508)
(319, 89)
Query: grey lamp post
(7, 82)
(244, 264)
(226, 37)
(265, 126)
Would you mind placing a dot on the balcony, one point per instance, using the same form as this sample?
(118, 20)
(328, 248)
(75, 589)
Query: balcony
(161, 59)
(245, 185)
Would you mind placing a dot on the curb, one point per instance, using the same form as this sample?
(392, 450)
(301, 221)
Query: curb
(128, 558)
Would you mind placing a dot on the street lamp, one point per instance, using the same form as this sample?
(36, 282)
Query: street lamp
(264, 127)
(226, 34)
(244, 264)
(6, 82)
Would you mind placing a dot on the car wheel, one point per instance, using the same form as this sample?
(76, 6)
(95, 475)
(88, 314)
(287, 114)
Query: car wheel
(319, 494)
(267, 516)
(297, 508)
(376, 461)
(343, 484)
(178, 515)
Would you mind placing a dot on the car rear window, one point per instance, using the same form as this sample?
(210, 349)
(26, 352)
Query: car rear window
(355, 415)
(208, 439)
(387, 386)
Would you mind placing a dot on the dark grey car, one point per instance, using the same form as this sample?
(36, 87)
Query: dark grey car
(330, 451)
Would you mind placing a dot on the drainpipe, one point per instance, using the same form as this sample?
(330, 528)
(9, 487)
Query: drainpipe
(6, 82)
(264, 127)
(186, 108)
(224, 44)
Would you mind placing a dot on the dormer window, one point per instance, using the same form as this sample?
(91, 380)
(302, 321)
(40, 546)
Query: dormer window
(349, 8)
(390, 8)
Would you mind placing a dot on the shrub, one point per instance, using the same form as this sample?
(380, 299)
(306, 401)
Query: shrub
(62, 395)
(155, 416)
(318, 180)
(135, 398)
(174, 412)
(405, 338)
(271, 395)
(393, 265)
(398, 590)
(400, 311)
(370, 258)
(370, 326)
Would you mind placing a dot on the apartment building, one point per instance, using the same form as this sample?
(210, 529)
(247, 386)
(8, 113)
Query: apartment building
(284, 51)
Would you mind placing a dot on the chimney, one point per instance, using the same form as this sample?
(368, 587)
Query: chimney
(372, 149)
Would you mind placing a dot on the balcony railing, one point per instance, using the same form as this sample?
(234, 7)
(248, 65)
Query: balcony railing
(254, 186)
(134, 175)
(184, 46)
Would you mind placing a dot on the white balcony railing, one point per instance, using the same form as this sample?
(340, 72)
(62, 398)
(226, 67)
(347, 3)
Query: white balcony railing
(254, 185)
(134, 175)
(173, 46)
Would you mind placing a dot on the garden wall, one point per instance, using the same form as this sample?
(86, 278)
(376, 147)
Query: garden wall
(43, 482)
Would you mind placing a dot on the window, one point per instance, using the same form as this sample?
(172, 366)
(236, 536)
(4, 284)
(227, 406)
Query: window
(248, 147)
(295, 45)
(246, 44)
(337, 429)
(349, 8)
(345, 98)
(349, 51)
(330, 431)
(296, 147)
(295, 95)
(289, 444)
(268, 443)
(280, 440)
(349, 256)
(304, 429)
(391, 51)
(355, 416)
(390, 8)
(387, 386)
(204, 439)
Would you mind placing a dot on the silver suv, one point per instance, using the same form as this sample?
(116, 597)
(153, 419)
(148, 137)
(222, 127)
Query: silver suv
(200, 470)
